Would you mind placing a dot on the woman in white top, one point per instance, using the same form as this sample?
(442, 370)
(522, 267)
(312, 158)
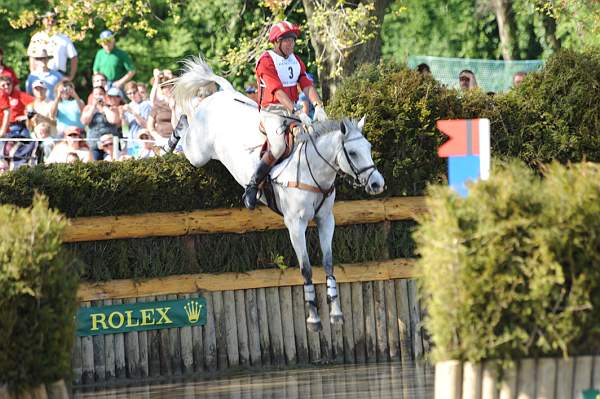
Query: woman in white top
(73, 143)
(40, 110)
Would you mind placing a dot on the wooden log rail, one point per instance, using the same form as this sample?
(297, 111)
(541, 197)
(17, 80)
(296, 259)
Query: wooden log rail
(191, 283)
(231, 220)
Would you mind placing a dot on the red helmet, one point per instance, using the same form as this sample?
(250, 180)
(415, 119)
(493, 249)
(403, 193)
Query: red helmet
(282, 28)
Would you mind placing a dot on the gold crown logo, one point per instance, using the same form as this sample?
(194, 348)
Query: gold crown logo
(193, 309)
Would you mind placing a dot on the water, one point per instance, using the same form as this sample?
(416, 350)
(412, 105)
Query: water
(381, 381)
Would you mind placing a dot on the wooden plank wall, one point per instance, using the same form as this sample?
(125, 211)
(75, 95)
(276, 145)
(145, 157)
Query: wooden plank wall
(548, 378)
(261, 327)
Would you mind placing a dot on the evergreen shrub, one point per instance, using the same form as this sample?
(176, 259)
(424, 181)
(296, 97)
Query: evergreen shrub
(38, 287)
(512, 270)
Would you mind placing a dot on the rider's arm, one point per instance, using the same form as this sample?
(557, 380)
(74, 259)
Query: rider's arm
(4, 122)
(283, 98)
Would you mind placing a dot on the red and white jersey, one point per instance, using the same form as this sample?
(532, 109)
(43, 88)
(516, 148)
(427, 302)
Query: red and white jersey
(274, 72)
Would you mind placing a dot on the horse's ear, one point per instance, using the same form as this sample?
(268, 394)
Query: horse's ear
(361, 123)
(343, 128)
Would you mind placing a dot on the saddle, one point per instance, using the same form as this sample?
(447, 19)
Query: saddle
(290, 133)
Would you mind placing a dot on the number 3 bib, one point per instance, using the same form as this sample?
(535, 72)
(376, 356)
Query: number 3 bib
(288, 69)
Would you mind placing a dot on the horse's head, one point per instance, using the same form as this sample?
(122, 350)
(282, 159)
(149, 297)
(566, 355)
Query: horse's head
(355, 157)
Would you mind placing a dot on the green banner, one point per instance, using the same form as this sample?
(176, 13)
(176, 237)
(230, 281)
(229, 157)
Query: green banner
(591, 394)
(141, 316)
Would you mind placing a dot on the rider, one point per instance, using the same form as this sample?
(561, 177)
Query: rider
(278, 73)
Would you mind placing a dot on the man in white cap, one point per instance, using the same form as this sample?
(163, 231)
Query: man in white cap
(42, 72)
(113, 62)
(59, 46)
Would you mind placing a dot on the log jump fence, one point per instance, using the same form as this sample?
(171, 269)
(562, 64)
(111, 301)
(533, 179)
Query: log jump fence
(255, 318)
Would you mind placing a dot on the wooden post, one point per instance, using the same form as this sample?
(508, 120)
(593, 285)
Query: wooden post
(99, 359)
(143, 345)
(209, 337)
(253, 329)
(358, 323)
(392, 320)
(415, 317)
(488, 382)
(337, 335)
(596, 375)
(275, 330)
(197, 343)
(187, 348)
(471, 380)
(287, 324)
(220, 331)
(325, 334)
(380, 321)
(546, 378)
(174, 345)
(348, 326)
(526, 379)
(508, 387)
(166, 367)
(370, 329)
(153, 349)
(242, 328)
(56, 390)
(87, 355)
(263, 326)
(300, 324)
(448, 378)
(583, 375)
(132, 350)
(231, 334)
(75, 363)
(565, 377)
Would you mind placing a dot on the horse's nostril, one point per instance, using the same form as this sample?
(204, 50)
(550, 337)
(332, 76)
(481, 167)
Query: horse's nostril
(375, 186)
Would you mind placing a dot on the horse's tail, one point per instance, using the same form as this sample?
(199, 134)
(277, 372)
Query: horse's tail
(197, 75)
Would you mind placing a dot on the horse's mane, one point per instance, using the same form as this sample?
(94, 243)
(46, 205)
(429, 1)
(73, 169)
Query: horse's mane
(321, 128)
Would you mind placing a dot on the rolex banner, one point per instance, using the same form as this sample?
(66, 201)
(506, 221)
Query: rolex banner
(141, 316)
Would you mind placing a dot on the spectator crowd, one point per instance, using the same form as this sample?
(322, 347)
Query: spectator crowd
(49, 122)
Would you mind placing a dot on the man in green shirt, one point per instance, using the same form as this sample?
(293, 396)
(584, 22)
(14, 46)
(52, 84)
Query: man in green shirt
(113, 62)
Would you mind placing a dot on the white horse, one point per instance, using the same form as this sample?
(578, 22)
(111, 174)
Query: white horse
(225, 127)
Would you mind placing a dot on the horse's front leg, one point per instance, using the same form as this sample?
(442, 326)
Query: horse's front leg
(326, 226)
(297, 230)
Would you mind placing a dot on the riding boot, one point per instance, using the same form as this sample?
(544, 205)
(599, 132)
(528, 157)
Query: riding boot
(252, 187)
(182, 124)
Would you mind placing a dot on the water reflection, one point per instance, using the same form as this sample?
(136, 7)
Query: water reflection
(386, 380)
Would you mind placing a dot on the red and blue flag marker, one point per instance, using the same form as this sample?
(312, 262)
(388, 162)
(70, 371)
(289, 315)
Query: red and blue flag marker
(467, 150)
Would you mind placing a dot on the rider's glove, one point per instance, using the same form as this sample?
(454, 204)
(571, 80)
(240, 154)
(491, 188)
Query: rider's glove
(320, 114)
(306, 121)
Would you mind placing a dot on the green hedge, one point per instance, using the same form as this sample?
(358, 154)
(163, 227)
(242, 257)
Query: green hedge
(512, 270)
(554, 115)
(38, 286)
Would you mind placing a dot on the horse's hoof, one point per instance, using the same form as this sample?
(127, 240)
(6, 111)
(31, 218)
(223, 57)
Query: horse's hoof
(315, 327)
(337, 319)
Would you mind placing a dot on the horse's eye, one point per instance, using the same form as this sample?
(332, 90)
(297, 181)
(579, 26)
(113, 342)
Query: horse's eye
(352, 154)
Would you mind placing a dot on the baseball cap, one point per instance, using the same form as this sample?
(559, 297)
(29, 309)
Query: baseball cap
(39, 83)
(38, 52)
(106, 34)
(70, 130)
(113, 91)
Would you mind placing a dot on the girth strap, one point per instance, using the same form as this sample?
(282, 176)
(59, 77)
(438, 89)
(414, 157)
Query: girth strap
(308, 187)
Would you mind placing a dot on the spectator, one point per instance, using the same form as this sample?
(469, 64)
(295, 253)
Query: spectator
(160, 124)
(424, 69)
(42, 132)
(135, 113)
(518, 78)
(40, 110)
(43, 73)
(73, 143)
(18, 153)
(106, 146)
(466, 80)
(7, 71)
(101, 118)
(303, 101)
(58, 46)
(67, 107)
(147, 145)
(98, 80)
(72, 157)
(143, 90)
(251, 92)
(113, 62)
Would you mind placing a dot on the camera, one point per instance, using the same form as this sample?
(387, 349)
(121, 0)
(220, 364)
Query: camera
(31, 113)
(99, 100)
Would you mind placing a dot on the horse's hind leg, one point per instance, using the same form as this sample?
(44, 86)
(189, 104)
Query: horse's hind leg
(297, 230)
(326, 226)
